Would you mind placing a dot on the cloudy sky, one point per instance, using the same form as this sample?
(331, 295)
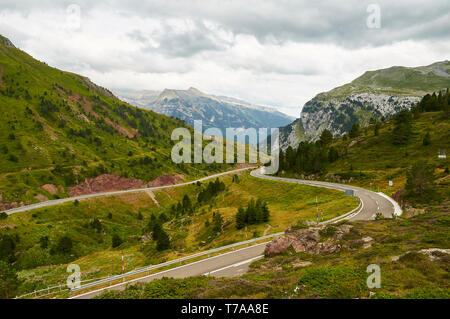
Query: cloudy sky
(277, 52)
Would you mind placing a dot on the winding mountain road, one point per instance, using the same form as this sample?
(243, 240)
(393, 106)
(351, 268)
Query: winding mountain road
(127, 191)
(236, 262)
(372, 202)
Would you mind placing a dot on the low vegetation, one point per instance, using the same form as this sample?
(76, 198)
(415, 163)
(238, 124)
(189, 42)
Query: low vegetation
(399, 246)
(93, 233)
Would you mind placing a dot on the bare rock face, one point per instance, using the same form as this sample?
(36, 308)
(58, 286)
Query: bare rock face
(165, 180)
(109, 182)
(105, 183)
(309, 240)
(277, 245)
(11, 205)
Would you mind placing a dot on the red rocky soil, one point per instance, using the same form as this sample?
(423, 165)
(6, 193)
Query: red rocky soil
(108, 183)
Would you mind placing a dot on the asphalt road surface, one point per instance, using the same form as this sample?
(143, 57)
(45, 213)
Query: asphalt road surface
(373, 202)
(236, 262)
(228, 264)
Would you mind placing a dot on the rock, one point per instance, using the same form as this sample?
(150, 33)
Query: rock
(355, 141)
(52, 189)
(164, 180)
(435, 253)
(146, 238)
(277, 245)
(105, 183)
(410, 211)
(367, 239)
(41, 198)
(11, 205)
(301, 263)
(308, 240)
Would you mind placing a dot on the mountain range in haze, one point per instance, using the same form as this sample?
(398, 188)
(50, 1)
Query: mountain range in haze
(215, 111)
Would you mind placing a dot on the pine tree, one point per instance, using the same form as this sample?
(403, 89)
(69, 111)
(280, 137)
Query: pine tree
(426, 139)
(157, 231)
(116, 241)
(354, 131)
(187, 205)
(376, 128)
(217, 222)
(420, 180)
(9, 281)
(163, 241)
(240, 218)
(326, 137)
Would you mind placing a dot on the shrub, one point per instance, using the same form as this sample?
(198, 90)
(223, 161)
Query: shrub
(328, 231)
(163, 241)
(9, 281)
(116, 241)
(333, 282)
(64, 245)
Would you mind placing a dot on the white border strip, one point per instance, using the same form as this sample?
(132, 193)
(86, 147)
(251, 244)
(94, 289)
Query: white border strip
(397, 209)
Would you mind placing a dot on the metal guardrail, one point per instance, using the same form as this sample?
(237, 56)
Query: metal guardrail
(171, 262)
(179, 260)
(211, 251)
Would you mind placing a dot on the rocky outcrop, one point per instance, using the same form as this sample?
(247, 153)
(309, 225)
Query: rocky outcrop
(50, 188)
(309, 240)
(339, 114)
(375, 94)
(11, 205)
(105, 183)
(164, 180)
(109, 183)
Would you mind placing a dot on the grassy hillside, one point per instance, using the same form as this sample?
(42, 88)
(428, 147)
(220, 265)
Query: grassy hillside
(397, 246)
(396, 80)
(128, 216)
(381, 152)
(58, 128)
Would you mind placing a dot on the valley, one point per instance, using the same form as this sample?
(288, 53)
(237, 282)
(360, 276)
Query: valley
(88, 179)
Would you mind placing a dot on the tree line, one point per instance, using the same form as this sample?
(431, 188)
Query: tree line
(310, 157)
(256, 212)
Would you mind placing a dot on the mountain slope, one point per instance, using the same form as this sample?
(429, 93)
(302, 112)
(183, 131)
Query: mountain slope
(214, 111)
(59, 128)
(377, 94)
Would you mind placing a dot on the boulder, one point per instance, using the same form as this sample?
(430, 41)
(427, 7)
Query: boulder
(308, 240)
(52, 189)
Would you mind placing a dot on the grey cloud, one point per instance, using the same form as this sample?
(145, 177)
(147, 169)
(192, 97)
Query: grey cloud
(338, 22)
(187, 43)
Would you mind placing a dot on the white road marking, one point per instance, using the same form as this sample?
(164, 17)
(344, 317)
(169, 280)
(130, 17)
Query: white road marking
(235, 265)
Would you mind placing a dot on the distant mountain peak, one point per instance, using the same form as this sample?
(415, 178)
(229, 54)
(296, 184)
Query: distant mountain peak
(193, 104)
(194, 90)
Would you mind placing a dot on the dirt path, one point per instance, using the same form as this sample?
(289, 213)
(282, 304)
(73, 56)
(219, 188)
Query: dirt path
(267, 230)
(152, 196)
